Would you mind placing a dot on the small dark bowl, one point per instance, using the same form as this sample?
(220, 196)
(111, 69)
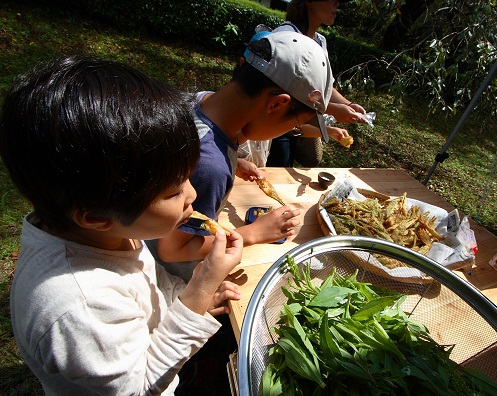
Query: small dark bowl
(325, 179)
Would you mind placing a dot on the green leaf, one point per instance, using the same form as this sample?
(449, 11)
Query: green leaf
(270, 384)
(294, 308)
(312, 316)
(299, 361)
(328, 344)
(379, 337)
(349, 329)
(331, 297)
(355, 370)
(293, 323)
(373, 307)
(330, 279)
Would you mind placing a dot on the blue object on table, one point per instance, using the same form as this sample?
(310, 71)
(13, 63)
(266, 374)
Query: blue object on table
(251, 215)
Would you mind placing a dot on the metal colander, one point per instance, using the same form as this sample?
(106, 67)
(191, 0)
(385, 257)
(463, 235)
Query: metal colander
(454, 311)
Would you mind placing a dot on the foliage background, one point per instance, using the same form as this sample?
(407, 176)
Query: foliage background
(437, 49)
(192, 55)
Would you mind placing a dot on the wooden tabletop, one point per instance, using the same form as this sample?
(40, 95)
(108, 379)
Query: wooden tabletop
(299, 188)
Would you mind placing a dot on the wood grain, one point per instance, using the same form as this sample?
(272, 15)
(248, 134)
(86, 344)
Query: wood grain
(299, 188)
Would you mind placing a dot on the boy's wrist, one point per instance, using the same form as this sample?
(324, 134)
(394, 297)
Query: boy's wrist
(196, 298)
(247, 234)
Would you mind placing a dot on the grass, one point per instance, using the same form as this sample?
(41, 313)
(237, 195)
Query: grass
(408, 138)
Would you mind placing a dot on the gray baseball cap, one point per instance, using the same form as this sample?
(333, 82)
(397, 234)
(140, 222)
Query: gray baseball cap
(299, 66)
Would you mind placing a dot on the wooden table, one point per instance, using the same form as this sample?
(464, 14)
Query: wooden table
(299, 188)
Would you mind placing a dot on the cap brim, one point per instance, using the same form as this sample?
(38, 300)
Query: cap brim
(318, 122)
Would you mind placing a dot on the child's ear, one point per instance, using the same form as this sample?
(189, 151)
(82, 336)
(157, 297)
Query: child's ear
(276, 102)
(87, 219)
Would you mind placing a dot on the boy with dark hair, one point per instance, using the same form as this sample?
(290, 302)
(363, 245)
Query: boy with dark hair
(283, 80)
(104, 153)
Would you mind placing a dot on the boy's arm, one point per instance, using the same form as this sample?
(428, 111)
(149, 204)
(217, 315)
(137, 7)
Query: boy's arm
(271, 227)
(310, 131)
(180, 246)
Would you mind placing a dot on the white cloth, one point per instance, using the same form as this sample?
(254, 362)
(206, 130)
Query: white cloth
(255, 151)
(91, 321)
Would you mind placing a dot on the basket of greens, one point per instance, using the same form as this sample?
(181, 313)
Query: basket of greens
(320, 324)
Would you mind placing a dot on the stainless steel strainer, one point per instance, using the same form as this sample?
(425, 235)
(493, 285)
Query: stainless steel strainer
(454, 311)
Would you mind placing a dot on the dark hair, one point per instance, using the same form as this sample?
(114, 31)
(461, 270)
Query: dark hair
(252, 81)
(88, 134)
(296, 13)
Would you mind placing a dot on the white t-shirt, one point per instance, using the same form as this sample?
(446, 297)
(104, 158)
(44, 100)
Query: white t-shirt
(92, 321)
(255, 151)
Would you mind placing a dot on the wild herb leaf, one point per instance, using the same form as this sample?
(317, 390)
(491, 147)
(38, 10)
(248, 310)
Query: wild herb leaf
(312, 316)
(299, 361)
(346, 337)
(374, 307)
(331, 313)
(331, 297)
(271, 384)
(294, 325)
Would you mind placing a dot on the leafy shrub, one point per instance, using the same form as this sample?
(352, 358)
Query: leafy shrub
(218, 24)
(226, 25)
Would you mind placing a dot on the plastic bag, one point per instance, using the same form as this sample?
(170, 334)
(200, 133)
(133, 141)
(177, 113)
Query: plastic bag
(466, 236)
(493, 262)
(329, 120)
(368, 117)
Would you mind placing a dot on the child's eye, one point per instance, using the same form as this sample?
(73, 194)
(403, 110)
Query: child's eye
(173, 194)
(178, 193)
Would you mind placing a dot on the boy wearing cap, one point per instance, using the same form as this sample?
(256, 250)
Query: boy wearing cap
(283, 81)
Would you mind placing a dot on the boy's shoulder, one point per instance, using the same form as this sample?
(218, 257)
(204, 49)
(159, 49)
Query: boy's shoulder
(55, 277)
(207, 129)
(61, 264)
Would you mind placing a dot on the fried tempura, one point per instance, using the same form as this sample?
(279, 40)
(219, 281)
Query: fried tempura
(269, 190)
(386, 219)
(209, 225)
(347, 141)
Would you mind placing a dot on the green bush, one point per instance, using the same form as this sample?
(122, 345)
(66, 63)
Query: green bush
(224, 25)
(227, 25)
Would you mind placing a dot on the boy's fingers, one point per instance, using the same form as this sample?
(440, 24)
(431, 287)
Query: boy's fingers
(219, 311)
(218, 249)
(236, 240)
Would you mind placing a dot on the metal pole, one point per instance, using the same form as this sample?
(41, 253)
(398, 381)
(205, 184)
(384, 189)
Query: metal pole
(442, 155)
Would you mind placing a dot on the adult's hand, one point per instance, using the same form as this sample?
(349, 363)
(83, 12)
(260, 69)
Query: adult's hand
(346, 114)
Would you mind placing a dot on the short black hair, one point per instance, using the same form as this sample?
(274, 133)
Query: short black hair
(82, 133)
(252, 81)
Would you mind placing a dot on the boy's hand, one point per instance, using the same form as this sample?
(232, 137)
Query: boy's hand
(272, 226)
(226, 254)
(210, 273)
(247, 170)
(226, 291)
